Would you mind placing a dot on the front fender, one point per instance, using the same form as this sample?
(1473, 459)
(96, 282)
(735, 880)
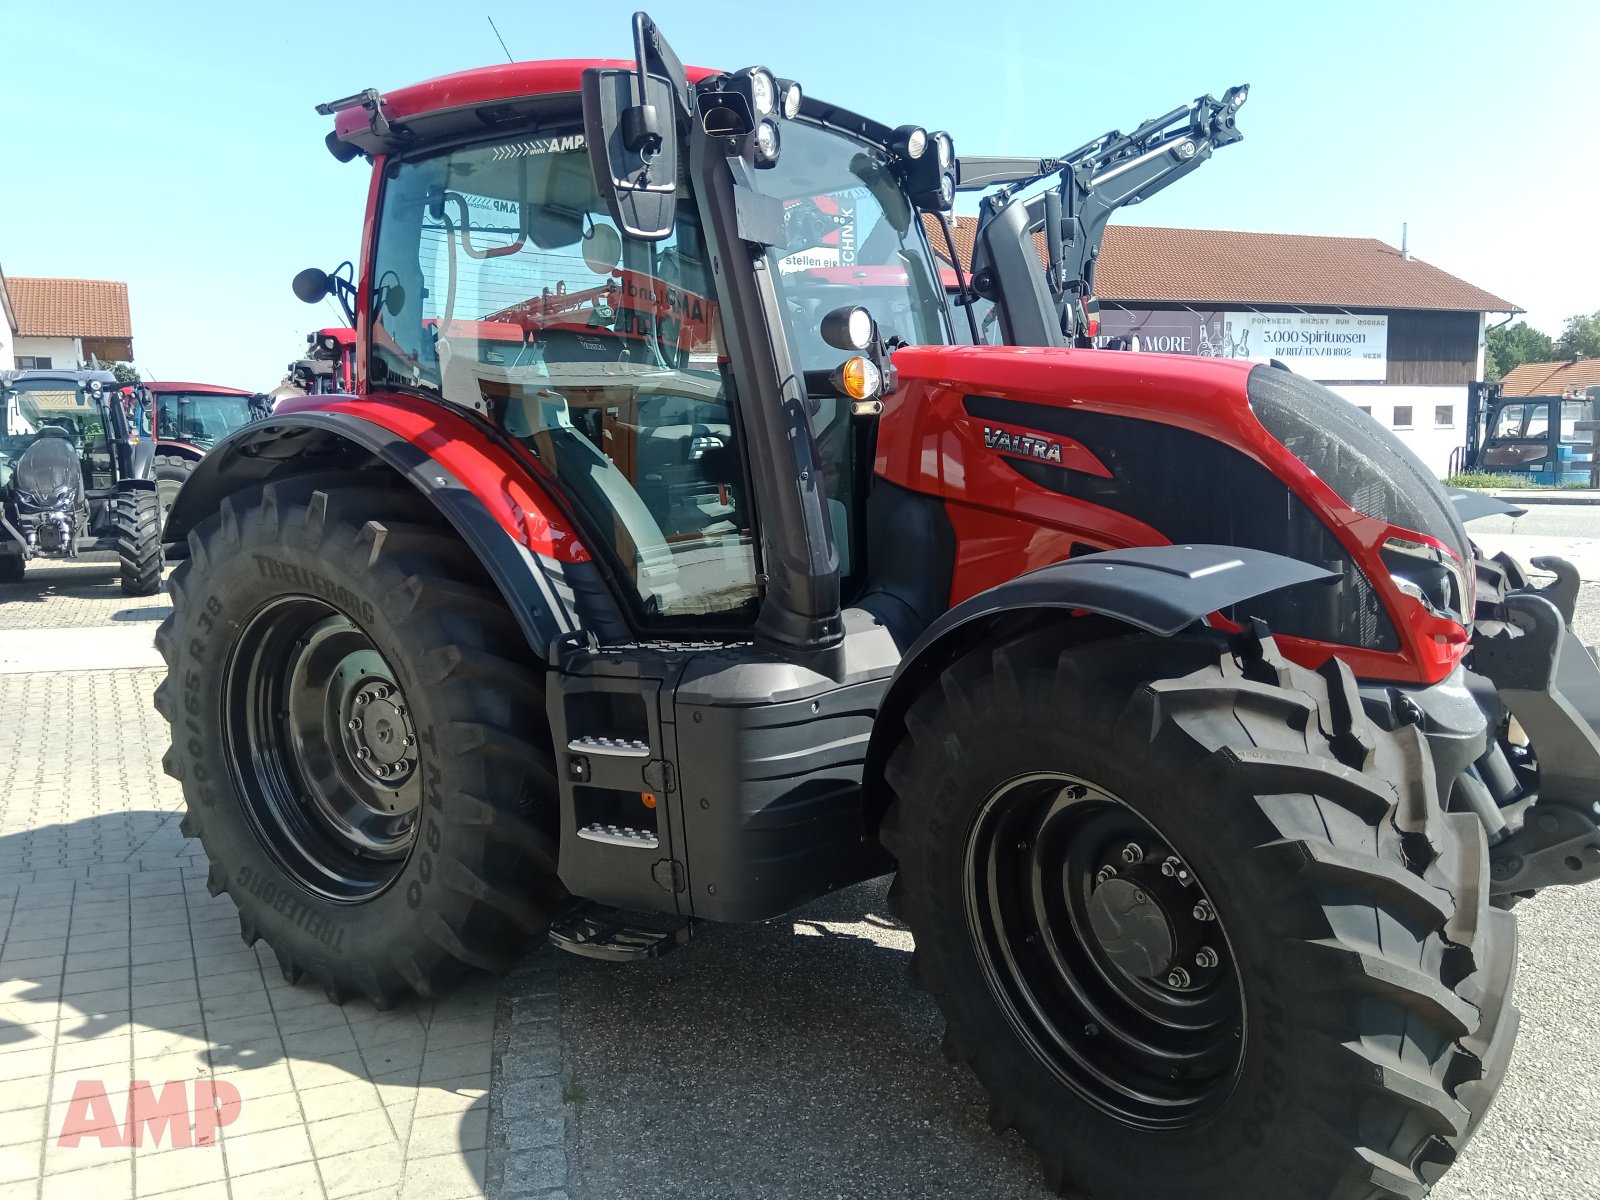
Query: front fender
(541, 568)
(1159, 589)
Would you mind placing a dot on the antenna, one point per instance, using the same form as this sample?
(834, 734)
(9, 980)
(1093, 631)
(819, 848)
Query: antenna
(498, 38)
(1405, 230)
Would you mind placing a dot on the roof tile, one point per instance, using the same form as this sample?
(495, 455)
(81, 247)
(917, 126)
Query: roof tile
(1219, 266)
(70, 307)
(1551, 378)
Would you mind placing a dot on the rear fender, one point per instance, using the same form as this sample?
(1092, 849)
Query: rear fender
(1160, 590)
(543, 572)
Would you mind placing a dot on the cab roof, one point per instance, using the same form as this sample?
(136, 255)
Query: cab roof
(210, 389)
(479, 88)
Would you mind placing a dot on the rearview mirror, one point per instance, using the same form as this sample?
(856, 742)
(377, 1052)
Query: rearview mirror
(312, 285)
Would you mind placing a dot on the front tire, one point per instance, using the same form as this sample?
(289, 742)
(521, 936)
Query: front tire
(361, 739)
(1308, 997)
(136, 524)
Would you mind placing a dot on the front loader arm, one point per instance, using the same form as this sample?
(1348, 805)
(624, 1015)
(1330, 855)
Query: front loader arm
(1096, 179)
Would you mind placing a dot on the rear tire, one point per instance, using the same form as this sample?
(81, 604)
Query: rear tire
(378, 884)
(136, 524)
(1367, 979)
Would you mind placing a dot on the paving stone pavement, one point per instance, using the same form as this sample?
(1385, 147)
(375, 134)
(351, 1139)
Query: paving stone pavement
(117, 966)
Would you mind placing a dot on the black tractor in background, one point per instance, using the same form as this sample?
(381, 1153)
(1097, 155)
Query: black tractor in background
(76, 476)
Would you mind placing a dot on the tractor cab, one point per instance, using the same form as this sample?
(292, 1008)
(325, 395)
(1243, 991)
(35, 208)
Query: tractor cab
(1537, 438)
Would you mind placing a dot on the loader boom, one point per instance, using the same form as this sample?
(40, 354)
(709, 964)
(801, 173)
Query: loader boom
(1096, 180)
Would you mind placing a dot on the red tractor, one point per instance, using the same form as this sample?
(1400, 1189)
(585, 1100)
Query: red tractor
(1206, 753)
(186, 421)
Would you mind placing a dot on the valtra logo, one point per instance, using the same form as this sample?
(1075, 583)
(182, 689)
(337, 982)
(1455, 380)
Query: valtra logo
(1027, 445)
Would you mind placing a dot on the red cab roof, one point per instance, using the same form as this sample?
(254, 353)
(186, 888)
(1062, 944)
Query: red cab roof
(212, 389)
(486, 85)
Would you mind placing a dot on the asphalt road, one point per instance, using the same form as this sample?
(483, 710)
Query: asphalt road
(794, 1059)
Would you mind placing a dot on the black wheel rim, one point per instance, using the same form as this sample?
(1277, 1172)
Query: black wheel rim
(167, 495)
(1104, 951)
(321, 743)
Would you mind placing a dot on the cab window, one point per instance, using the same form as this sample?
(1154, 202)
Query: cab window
(502, 286)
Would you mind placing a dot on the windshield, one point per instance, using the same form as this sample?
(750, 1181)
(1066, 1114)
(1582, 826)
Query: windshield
(199, 417)
(852, 238)
(56, 408)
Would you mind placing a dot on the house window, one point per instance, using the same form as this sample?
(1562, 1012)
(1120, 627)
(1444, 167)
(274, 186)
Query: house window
(1402, 416)
(27, 362)
(1444, 415)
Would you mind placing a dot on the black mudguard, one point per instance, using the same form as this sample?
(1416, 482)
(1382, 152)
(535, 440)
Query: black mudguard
(1159, 589)
(548, 598)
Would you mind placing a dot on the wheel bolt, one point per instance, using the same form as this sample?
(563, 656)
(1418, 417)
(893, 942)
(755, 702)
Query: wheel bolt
(1203, 911)
(400, 710)
(1132, 853)
(410, 741)
(1205, 958)
(1104, 873)
(355, 723)
(1172, 867)
(1178, 978)
(363, 753)
(383, 692)
(362, 698)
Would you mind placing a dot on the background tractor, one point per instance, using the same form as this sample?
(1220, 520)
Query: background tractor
(75, 475)
(328, 368)
(186, 420)
(1207, 754)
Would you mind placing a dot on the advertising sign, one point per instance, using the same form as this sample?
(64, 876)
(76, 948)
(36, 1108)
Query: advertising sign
(1316, 345)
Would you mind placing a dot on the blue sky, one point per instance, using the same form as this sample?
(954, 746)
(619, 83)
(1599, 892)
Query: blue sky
(174, 146)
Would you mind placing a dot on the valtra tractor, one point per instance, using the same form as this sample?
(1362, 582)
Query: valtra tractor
(1206, 754)
(75, 475)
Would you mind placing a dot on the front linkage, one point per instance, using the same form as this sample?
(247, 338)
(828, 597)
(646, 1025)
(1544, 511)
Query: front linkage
(1547, 695)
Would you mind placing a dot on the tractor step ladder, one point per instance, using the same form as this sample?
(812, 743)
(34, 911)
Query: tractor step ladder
(616, 935)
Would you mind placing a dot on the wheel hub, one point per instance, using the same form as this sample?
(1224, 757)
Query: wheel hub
(378, 735)
(1133, 928)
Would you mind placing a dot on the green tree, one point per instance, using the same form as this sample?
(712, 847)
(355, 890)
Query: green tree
(125, 372)
(1581, 335)
(1508, 346)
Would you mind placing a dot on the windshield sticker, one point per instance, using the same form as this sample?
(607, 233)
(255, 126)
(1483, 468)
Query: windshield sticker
(564, 144)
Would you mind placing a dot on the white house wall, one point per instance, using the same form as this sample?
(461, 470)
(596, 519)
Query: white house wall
(1428, 438)
(61, 351)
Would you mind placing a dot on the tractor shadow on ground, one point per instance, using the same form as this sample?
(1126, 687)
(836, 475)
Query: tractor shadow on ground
(795, 1060)
(93, 576)
(143, 975)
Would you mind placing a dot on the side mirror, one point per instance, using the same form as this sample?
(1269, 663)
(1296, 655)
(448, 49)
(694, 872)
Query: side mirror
(312, 285)
(630, 122)
(630, 126)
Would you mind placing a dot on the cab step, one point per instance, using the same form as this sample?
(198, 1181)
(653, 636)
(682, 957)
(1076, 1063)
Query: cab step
(617, 935)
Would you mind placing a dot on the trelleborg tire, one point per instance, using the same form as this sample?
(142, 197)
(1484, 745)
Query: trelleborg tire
(1346, 1021)
(136, 522)
(360, 734)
